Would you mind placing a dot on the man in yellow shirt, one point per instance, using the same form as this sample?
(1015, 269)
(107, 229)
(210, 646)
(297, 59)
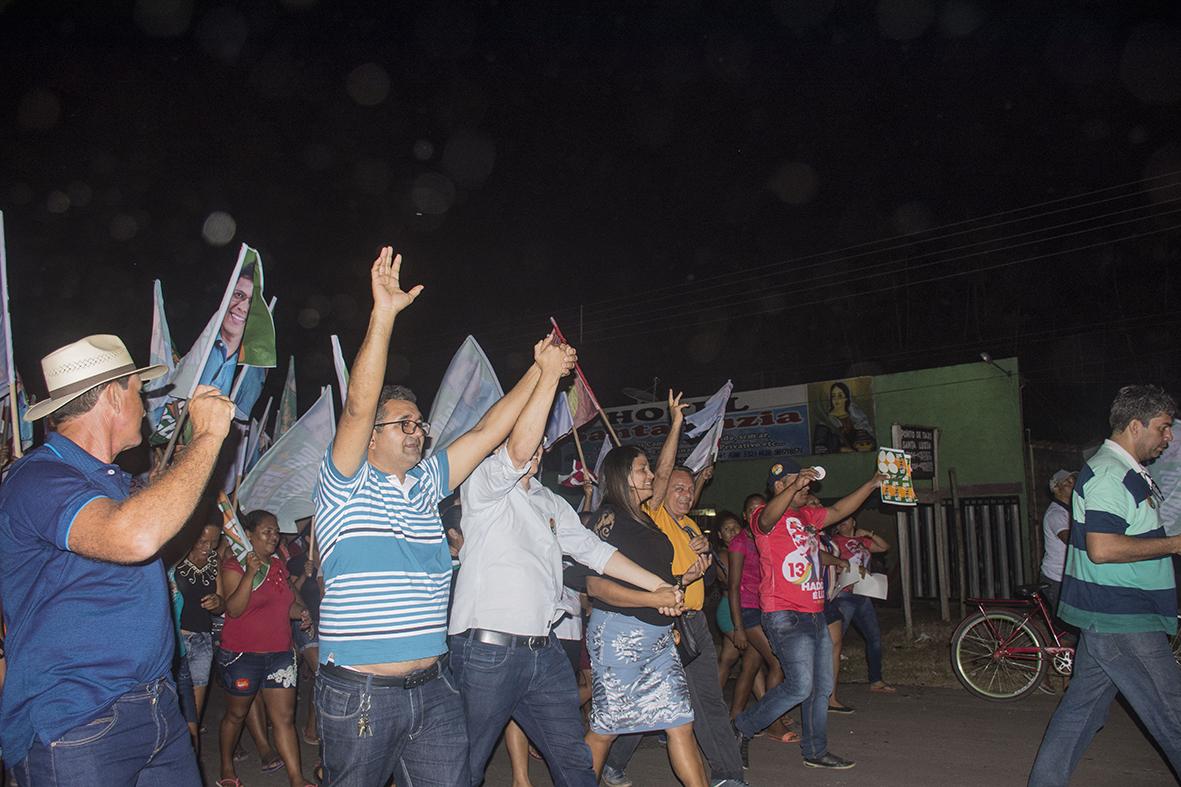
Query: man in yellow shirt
(674, 492)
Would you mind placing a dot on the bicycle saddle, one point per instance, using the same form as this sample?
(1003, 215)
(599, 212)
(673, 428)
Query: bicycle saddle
(1027, 591)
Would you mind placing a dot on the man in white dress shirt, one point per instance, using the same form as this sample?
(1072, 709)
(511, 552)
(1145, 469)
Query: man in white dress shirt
(509, 595)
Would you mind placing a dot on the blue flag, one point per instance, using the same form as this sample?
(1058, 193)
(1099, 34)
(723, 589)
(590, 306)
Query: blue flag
(468, 390)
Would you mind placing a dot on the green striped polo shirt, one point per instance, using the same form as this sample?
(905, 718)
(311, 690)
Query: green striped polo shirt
(1113, 495)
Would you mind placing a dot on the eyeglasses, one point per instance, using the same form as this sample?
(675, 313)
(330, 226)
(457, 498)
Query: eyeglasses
(408, 426)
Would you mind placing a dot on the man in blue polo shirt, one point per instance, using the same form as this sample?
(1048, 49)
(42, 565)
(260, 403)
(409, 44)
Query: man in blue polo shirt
(1119, 590)
(88, 698)
(387, 703)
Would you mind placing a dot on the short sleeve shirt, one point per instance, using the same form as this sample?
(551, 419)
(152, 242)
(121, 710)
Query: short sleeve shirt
(80, 632)
(387, 569)
(789, 558)
(1114, 494)
(678, 530)
(265, 625)
(748, 589)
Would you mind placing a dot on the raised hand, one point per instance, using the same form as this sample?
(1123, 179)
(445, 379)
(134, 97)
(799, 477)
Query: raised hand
(210, 412)
(676, 410)
(385, 280)
(554, 360)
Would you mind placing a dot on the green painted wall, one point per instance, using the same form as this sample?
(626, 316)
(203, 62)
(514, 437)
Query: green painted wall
(976, 406)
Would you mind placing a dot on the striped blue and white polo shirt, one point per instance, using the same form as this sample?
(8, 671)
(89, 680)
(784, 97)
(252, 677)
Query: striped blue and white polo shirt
(386, 566)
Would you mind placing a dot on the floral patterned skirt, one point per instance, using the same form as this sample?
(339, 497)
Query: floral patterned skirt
(637, 679)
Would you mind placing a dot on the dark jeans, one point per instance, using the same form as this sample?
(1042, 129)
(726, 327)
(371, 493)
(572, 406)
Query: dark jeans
(141, 740)
(1141, 667)
(711, 716)
(801, 643)
(859, 611)
(371, 732)
(537, 689)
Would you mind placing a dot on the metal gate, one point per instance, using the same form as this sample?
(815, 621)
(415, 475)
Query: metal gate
(993, 545)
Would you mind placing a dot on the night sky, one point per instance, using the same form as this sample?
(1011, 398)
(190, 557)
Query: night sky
(774, 192)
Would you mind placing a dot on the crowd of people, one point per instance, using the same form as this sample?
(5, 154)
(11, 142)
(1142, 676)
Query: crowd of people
(438, 600)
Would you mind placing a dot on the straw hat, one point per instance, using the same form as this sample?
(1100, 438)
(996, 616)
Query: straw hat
(76, 368)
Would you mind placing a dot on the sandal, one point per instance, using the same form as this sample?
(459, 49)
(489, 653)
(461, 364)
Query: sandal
(791, 736)
(310, 741)
(273, 764)
(535, 754)
(882, 688)
(228, 783)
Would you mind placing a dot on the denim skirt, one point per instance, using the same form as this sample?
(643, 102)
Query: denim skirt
(638, 683)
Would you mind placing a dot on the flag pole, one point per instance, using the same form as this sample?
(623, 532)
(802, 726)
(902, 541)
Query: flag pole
(181, 415)
(582, 457)
(585, 384)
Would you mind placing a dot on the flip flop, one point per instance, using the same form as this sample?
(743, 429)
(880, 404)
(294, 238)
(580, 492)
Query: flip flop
(885, 688)
(535, 754)
(272, 765)
(310, 741)
(228, 783)
(788, 737)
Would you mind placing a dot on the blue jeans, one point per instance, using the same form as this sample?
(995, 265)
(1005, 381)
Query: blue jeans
(859, 611)
(1138, 665)
(141, 740)
(371, 732)
(537, 689)
(800, 642)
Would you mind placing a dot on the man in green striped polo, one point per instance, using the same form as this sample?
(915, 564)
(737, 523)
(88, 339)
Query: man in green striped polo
(1118, 588)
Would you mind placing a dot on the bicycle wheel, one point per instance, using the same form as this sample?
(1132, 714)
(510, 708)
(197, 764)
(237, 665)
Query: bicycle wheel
(983, 670)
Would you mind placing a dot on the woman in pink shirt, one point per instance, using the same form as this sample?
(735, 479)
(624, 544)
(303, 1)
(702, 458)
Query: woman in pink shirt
(745, 575)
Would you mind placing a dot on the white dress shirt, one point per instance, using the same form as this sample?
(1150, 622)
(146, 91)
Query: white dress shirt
(510, 576)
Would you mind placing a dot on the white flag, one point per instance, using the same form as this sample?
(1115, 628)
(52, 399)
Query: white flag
(7, 367)
(468, 389)
(342, 371)
(713, 409)
(597, 492)
(284, 479)
(706, 452)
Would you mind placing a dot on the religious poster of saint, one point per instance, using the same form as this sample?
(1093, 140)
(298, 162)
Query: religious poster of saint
(842, 416)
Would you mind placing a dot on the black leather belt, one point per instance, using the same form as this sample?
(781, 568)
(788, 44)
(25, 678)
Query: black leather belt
(506, 640)
(408, 681)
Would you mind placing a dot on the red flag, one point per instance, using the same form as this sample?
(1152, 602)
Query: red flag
(575, 478)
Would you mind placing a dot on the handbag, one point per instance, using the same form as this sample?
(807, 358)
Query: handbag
(688, 648)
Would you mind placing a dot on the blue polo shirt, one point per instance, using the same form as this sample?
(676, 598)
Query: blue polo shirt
(81, 632)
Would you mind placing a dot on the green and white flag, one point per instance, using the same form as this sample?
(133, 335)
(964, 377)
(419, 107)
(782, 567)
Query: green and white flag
(288, 413)
(284, 478)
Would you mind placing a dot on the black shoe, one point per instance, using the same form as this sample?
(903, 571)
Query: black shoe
(842, 709)
(743, 745)
(830, 761)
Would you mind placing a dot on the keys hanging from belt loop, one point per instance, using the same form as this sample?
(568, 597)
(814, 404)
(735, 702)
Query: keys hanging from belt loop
(364, 730)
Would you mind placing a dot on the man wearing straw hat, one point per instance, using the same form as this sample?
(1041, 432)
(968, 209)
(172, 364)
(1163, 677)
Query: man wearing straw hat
(77, 548)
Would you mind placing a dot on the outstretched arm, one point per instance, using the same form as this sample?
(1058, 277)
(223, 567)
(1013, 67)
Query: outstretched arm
(360, 409)
(848, 505)
(469, 449)
(530, 425)
(668, 452)
(134, 529)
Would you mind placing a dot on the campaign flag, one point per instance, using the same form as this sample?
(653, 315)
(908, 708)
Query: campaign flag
(237, 537)
(468, 390)
(1166, 472)
(284, 479)
(705, 452)
(342, 370)
(583, 408)
(597, 492)
(710, 412)
(561, 421)
(161, 350)
(7, 365)
(575, 478)
(187, 374)
(288, 413)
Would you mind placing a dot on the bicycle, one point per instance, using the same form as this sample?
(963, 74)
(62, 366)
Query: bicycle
(1000, 654)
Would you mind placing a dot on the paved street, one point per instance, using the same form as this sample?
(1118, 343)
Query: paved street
(919, 737)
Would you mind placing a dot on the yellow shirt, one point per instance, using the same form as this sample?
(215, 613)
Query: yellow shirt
(683, 554)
